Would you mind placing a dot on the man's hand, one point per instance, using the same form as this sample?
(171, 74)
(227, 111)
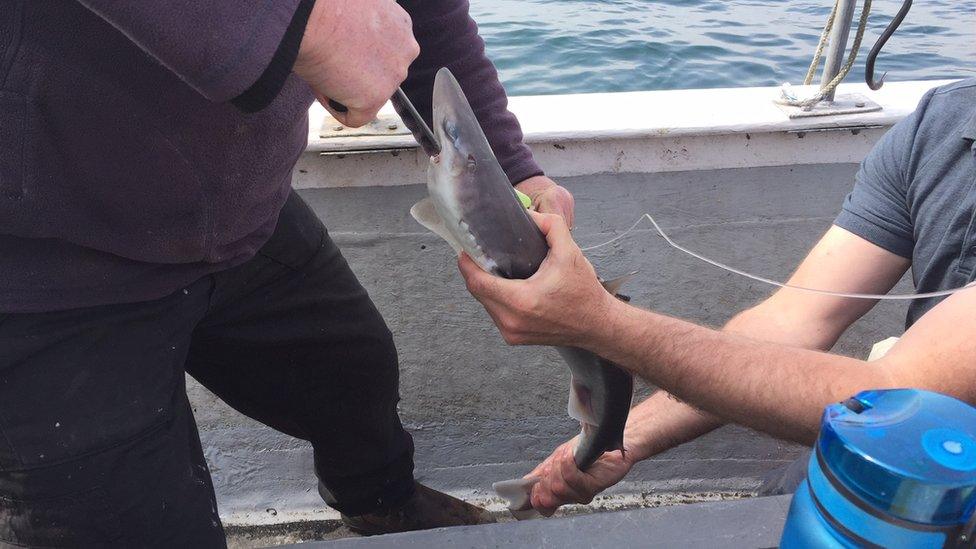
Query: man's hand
(548, 197)
(356, 52)
(560, 482)
(561, 304)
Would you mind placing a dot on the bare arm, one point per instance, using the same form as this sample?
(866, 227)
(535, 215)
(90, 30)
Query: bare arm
(782, 390)
(797, 323)
(840, 261)
(776, 388)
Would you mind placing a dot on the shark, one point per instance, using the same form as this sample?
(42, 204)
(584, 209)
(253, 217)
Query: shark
(472, 205)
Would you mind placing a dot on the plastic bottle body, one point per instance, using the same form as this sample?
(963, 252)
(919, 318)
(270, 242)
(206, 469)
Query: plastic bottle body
(824, 514)
(893, 468)
(806, 527)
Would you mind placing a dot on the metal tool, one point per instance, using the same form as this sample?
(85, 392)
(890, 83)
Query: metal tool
(426, 140)
(429, 142)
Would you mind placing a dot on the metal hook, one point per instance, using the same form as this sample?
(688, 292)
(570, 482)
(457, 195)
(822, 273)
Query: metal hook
(873, 55)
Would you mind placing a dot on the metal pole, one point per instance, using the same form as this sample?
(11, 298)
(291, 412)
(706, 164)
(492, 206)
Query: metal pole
(837, 47)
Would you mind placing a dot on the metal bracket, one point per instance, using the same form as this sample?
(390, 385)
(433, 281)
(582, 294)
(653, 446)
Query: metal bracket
(852, 103)
(395, 151)
(384, 125)
(855, 130)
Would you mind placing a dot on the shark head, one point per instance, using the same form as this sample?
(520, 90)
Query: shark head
(472, 203)
(465, 153)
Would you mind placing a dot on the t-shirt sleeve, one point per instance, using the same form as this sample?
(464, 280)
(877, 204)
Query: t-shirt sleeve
(877, 208)
(448, 37)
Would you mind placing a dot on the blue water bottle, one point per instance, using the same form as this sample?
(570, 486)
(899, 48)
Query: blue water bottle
(893, 468)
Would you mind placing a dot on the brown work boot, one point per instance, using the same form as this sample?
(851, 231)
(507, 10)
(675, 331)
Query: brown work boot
(426, 508)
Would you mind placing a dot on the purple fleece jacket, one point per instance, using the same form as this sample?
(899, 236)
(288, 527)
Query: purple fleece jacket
(125, 170)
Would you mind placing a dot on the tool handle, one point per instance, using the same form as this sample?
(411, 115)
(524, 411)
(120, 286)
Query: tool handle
(427, 140)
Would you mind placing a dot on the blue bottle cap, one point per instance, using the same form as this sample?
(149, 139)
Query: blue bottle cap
(910, 454)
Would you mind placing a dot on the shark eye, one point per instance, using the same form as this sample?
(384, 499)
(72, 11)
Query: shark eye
(472, 163)
(451, 130)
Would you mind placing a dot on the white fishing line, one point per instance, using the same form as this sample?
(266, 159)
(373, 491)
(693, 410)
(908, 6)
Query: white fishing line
(764, 280)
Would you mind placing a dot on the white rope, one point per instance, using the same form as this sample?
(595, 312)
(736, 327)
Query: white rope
(788, 99)
(673, 244)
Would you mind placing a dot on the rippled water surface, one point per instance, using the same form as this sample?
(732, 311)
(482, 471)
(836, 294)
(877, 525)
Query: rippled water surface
(573, 46)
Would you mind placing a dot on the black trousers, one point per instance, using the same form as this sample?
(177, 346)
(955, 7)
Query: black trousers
(98, 445)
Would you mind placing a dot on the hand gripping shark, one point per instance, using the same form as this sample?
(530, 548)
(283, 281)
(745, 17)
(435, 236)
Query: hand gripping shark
(473, 207)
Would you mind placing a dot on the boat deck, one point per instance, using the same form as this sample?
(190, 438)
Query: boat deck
(745, 524)
(481, 411)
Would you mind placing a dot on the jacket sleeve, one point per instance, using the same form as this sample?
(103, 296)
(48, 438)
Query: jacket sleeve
(448, 37)
(219, 47)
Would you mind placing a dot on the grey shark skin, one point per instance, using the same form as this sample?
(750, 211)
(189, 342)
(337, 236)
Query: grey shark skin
(473, 206)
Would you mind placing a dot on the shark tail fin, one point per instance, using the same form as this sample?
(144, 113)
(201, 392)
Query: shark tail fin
(516, 493)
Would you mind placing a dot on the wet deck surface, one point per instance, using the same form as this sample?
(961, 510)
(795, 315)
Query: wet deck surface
(480, 411)
(748, 523)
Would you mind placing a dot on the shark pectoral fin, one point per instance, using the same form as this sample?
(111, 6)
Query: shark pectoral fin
(613, 285)
(580, 407)
(426, 214)
(517, 494)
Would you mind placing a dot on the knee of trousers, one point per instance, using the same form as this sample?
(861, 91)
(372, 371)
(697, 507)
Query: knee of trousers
(376, 357)
(365, 363)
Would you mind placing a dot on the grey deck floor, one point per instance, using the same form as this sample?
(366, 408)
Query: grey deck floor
(481, 411)
(743, 524)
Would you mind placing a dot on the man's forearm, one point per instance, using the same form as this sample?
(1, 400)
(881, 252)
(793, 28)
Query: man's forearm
(778, 389)
(786, 319)
(663, 421)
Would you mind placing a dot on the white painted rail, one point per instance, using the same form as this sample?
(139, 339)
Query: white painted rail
(638, 132)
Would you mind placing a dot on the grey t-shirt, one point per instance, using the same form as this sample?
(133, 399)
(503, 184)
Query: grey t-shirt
(914, 195)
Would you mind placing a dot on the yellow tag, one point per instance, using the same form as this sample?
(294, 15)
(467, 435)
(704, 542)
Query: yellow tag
(524, 199)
